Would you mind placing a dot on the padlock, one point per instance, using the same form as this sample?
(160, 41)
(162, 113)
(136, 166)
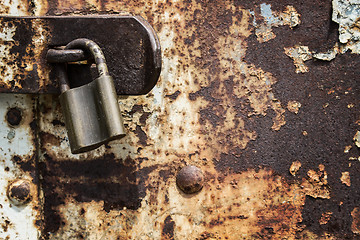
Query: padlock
(92, 114)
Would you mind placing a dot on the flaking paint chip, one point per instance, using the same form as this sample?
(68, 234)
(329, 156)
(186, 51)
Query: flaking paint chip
(357, 139)
(299, 54)
(294, 168)
(345, 178)
(347, 148)
(294, 106)
(316, 183)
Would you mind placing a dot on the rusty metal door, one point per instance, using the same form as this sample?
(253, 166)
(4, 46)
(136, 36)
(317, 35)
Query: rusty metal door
(262, 96)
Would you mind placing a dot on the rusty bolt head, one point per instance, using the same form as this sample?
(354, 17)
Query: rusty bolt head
(19, 192)
(190, 179)
(14, 116)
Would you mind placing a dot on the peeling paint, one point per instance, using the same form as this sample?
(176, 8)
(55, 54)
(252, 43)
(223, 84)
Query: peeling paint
(269, 19)
(329, 55)
(346, 14)
(299, 54)
(6, 35)
(316, 183)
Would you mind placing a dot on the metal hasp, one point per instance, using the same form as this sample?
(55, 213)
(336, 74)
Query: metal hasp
(129, 43)
(39, 65)
(91, 112)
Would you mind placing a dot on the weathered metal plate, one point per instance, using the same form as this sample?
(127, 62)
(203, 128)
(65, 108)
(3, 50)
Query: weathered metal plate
(262, 96)
(129, 43)
(245, 96)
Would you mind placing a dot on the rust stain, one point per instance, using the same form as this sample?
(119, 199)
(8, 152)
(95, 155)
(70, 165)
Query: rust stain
(49, 139)
(245, 205)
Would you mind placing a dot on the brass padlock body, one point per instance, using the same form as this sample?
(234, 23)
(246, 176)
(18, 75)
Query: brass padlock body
(91, 112)
(92, 115)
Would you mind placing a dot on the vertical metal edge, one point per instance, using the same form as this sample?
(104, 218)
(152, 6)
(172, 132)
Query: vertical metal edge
(156, 53)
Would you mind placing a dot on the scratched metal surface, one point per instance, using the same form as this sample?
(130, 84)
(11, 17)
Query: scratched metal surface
(262, 96)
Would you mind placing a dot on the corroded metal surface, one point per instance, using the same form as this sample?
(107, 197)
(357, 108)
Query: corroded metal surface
(269, 138)
(133, 51)
(20, 205)
(263, 97)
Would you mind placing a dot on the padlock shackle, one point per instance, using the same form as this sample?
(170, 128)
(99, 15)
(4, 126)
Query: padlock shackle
(94, 49)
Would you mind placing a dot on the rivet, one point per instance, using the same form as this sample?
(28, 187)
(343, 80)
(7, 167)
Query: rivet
(14, 116)
(19, 192)
(190, 179)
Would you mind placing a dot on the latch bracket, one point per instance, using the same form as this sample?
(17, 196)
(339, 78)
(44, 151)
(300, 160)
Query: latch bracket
(129, 43)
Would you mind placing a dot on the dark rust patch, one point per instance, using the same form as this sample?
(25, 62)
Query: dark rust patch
(51, 139)
(174, 95)
(190, 179)
(168, 229)
(14, 116)
(141, 135)
(217, 221)
(57, 123)
(26, 163)
(117, 182)
(144, 115)
(206, 235)
(237, 217)
(316, 29)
